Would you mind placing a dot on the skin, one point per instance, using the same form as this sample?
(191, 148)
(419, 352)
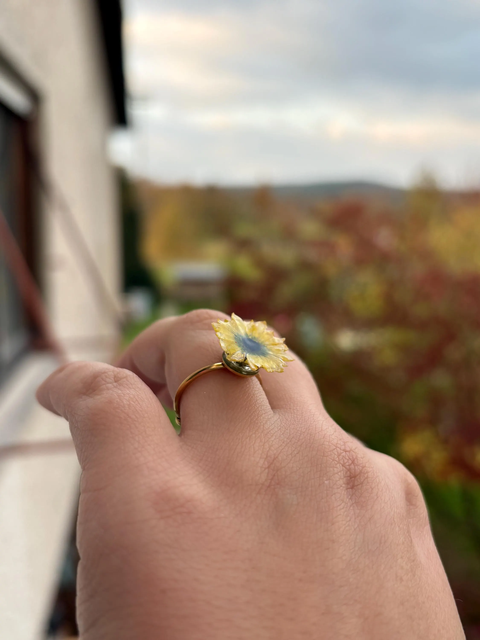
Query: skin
(263, 520)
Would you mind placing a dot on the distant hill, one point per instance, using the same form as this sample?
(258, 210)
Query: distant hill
(329, 191)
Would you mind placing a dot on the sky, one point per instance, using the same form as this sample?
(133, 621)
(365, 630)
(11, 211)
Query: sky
(292, 91)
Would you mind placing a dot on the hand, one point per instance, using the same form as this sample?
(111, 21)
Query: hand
(263, 520)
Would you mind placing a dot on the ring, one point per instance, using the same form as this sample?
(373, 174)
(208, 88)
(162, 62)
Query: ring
(248, 346)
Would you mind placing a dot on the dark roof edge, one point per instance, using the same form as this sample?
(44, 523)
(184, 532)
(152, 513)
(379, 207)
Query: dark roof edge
(110, 14)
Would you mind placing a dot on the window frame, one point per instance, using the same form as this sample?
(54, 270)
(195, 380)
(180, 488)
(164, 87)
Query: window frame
(18, 108)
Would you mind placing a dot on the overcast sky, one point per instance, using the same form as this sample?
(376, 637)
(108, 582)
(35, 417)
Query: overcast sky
(246, 91)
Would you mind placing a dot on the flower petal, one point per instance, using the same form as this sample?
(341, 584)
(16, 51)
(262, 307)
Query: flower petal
(252, 341)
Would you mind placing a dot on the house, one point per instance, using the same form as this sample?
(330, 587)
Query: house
(61, 93)
(194, 282)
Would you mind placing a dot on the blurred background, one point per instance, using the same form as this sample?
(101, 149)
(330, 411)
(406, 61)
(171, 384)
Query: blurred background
(316, 165)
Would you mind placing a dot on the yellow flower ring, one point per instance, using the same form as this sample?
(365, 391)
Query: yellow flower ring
(248, 346)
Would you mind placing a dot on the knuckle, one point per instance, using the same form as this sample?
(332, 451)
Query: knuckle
(202, 318)
(353, 466)
(105, 379)
(412, 492)
(184, 499)
(101, 384)
(409, 493)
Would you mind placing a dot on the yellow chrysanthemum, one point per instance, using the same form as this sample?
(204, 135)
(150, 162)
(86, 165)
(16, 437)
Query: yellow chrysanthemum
(253, 343)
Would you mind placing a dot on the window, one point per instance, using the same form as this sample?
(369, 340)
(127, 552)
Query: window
(14, 203)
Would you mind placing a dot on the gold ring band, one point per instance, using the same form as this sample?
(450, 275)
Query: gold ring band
(234, 367)
(186, 382)
(247, 348)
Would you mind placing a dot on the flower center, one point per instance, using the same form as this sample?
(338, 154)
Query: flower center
(250, 345)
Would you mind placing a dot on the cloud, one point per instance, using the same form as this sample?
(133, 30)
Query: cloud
(339, 87)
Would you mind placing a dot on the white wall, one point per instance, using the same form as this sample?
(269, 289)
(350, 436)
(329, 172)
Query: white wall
(55, 45)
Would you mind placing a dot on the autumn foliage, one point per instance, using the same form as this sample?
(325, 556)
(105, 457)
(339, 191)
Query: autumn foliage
(382, 304)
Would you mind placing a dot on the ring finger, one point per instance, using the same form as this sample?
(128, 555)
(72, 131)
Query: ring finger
(173, 348)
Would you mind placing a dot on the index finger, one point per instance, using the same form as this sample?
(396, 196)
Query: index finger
(116, 421)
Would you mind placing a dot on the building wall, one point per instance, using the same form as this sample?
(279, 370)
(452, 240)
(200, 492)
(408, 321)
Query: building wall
(55, 45)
